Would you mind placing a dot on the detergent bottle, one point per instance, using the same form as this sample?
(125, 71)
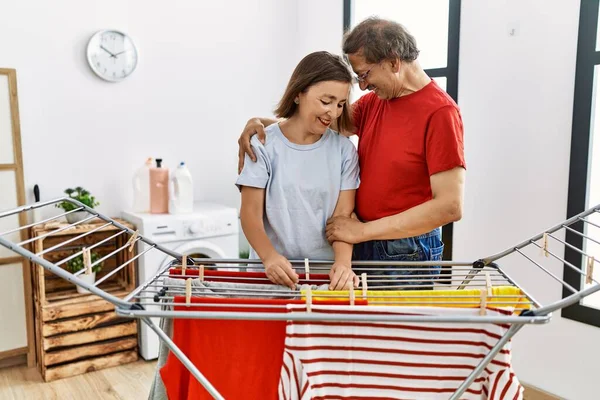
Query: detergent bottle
(159, 189)
(182, 191)
(141, 188)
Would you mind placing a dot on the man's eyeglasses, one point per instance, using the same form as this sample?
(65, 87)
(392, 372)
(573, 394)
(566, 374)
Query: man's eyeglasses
(362, 77)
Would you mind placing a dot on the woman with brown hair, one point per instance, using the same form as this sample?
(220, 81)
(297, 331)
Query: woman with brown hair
(305, 174)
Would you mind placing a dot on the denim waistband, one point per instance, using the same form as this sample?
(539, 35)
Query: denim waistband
(435, 232)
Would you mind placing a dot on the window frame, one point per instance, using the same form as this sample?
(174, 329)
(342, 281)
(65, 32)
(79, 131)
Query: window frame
(450, 72)
(586, 61)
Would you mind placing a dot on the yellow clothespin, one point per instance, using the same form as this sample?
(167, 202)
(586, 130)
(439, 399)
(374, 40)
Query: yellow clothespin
(363, 278)
(308, 295)
(188, 291)
(201, 272)
(306, 269)
(545, 249)
(351, 293)
(589, 275)
(87, 261)
(483, 304)
(488, 283)
(131, 241)
(183, 264)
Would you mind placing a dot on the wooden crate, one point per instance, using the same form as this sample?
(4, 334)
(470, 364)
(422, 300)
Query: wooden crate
(78, 333)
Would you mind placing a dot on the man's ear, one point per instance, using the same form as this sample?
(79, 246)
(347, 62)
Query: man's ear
(395, 64)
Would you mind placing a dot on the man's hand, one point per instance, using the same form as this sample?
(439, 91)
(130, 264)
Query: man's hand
(341, 276)
(344, 229)
(253, 126)
(279, 270)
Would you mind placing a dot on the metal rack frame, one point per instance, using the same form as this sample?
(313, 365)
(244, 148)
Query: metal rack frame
(481, 275)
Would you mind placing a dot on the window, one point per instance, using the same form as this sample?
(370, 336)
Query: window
(436, 26)
(584, 172)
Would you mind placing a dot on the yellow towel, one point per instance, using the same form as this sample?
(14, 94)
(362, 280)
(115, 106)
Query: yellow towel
(433, 298)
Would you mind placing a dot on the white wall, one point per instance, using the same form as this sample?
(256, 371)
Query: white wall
(516, 94)
(204, 68)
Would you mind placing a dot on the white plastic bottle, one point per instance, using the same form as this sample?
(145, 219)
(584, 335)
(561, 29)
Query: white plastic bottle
(141, 188)
(182, 191)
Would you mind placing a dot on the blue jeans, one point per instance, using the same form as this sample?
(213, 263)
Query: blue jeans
(426, 247)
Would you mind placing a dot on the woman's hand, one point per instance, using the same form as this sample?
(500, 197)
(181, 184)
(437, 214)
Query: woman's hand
(279, 270)
(341, 276)
(253, 127)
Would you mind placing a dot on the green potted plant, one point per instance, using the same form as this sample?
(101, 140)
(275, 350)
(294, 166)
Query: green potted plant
(81, 195)
(76, 264)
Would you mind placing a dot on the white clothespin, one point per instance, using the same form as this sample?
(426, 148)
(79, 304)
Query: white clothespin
(131, 241)
(363, 278)
(589, 275)
(87, 261)
(488, 283)
(183, 264)
(351, 293)
(306, 269)
(545, 249)
(201, 272)
(483, 304)
(308, 298)
(188, 291)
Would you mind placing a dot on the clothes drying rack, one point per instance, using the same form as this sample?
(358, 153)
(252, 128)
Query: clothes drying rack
(574, 244)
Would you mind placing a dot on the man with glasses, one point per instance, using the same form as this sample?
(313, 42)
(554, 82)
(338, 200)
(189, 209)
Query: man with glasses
(410, 149)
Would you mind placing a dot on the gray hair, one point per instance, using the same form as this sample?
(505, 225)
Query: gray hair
(381, 39)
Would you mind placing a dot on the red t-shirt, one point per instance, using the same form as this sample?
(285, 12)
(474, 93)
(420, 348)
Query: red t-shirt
(402, 142)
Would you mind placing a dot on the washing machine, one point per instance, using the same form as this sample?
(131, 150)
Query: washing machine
(211, 231)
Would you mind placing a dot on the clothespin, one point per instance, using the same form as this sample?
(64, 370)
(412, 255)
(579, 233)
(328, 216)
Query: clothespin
(488, 283)
(308, 298)
(306, 269)
(183, 264)
(483, 304)
(131, 241)
(201, 272)
(351, 292)
(87, 261)
(589, 275)
(545, 249)
(363, 278)
(188, 291)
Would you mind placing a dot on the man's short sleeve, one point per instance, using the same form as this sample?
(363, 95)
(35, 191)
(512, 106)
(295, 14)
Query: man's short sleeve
(444, 143)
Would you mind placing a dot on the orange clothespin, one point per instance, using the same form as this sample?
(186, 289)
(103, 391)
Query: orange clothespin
(351, 293)
(589, 275)
(306, 269)
(183, 264)
(308, 298)
(131, 241)
(201, 272)
(483, 303)
(188, 291)
(363, 278)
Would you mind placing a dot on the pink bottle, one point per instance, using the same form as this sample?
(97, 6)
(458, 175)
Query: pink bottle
(159, 189)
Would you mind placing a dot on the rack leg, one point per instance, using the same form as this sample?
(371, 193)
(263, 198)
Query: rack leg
(486, 360)
(184, 360)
